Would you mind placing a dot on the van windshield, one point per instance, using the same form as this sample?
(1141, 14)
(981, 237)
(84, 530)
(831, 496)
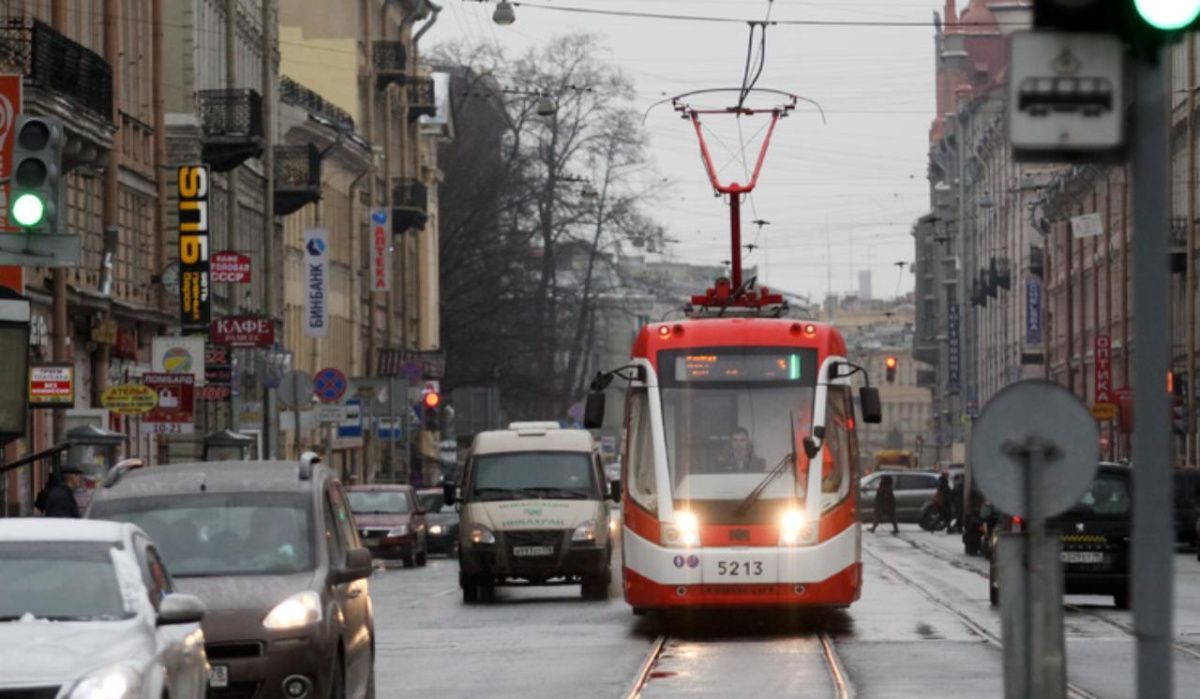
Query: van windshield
(540, 474)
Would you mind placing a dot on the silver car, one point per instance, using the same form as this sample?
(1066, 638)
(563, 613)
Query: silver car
(913, 489)
(89, 610)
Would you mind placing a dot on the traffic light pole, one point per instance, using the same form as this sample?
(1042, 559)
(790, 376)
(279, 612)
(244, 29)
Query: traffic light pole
(1153, 533)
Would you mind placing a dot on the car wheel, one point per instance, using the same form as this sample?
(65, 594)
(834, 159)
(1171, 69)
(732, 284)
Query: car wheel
(408, 560)
(487, 592)
(595, 587)
(337, 684)
(423, 555)
(470, 588)
(1121, 598)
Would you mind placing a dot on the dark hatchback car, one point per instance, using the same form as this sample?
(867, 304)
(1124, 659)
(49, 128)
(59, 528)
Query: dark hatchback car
(271, 549)
(1187, 508)
(1095, 538)
(441, 521)
(390, 521)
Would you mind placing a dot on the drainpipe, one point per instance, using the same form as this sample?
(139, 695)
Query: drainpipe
(110, 206)
(1190, 278)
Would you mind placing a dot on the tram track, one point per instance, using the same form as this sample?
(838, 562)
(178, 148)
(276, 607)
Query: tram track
(978, 628)
(838, 676)
(1128, 629)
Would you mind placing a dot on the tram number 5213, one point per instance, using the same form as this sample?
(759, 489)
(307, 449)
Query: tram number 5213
(740, 568)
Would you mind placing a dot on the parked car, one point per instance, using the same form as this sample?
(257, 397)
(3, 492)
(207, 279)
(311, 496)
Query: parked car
(391, 522)
(271, 548)
(441, 521)
(88, 607)
(1187, 507)
(912, 488)
(1095, 538)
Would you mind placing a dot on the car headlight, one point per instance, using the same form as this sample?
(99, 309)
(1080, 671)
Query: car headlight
(684, 531)
(299, 610)
(585, 531)
(480, 534)
(436, 529)
(401, 530)
(113, 682)
(796, 529)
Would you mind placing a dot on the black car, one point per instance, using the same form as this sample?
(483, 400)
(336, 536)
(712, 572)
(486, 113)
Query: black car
(441, 533)
(1187, 507)
(1095, 538)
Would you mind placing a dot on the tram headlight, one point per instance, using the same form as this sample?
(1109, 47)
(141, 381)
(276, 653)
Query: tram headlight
(796, 529)
(684, 531)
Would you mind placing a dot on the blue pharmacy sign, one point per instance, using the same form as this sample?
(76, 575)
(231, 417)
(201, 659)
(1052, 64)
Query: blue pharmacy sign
(1033, 311)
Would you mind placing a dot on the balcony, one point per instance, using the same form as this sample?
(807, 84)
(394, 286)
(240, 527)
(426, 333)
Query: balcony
(232, 124)
(295, 94)
(391, 63)
(410, 205)
(55, 63)
(297, 178)
(422, 99)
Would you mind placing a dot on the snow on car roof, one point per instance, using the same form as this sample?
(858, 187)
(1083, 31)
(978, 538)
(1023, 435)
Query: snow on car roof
(60, 529)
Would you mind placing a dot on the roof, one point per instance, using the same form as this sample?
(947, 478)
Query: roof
(62, 529)
(215, 476)
(494, 441)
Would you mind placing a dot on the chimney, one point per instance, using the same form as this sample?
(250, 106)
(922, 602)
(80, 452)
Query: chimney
(951, 13)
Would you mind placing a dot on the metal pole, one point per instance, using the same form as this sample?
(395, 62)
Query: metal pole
(1190, 277)
(735, 233)
(395, 422)
(1153, 533)
(296, 410)
(270, 273)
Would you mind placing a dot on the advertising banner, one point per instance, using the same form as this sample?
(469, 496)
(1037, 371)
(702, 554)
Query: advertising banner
(10, 109)
(1104, 407)
(316, 282)
(195, 299)
(1033, 311)
(231, 267)
(176, 409)
(243, 331)
(954, 379)
(52, 386)
(129, 399)
(381, 250)
(179, 355)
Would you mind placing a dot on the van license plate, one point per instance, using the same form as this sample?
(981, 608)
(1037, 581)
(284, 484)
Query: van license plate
(533, 550)
(1081, 557)
(219, 677)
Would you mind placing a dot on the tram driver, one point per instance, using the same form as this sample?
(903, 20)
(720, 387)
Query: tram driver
(740, 456)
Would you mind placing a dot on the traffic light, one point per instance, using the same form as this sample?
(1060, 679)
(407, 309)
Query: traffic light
(1177, 388)
(431, 404)
(1144, 25)
(890, 369)
(36, 180)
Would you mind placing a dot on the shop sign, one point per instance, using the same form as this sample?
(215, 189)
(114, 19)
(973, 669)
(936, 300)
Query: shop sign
(316, 282)
(1104, 407)
(176, 409)
(180, 355)
(126, 347)
(52, 386)
(129, 399)
(195, 293)
(381, 250)
(243, 331)
(231, 267)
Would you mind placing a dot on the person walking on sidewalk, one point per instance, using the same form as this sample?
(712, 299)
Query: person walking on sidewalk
(885, 505)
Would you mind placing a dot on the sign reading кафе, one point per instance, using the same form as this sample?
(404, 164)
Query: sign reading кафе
(195, 304)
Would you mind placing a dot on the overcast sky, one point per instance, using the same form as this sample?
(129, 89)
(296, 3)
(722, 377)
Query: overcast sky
(855, 184)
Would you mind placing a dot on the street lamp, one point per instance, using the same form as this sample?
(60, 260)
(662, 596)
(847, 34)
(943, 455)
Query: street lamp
(504, 14)
(546, 106)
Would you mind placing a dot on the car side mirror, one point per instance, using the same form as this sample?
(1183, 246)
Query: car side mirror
(811, 448)
(593, 410)
(872, 407)
(614, 490)
(178, 608)
(449, 493)
(357, 567)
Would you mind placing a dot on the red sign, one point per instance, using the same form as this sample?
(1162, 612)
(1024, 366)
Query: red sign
(10, 107)
(176, 398)
(230, 267)
(1102, 354)
(52, 386)
(243, 331)
(126, 346)
(381, 251)
(215, 392)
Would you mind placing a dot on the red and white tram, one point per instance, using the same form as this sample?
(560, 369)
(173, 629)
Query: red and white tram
(739, 483)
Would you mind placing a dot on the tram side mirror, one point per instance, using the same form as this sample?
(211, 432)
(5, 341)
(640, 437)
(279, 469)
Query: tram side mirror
(593, 411)
(449, 493)
(872, 408)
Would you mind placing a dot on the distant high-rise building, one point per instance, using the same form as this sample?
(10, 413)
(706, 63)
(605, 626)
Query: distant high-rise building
(864, 285)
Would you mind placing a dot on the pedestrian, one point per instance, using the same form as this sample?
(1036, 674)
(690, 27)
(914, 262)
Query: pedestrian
(956, 505)
(57, 499)
(942, 498)
(885, 504)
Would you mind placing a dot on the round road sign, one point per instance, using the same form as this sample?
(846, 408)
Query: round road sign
(1039, 415)
(295, 387)
(330, 385)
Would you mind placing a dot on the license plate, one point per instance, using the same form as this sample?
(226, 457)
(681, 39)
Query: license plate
(1081, 557)
(533, 550)
(219, 677)
(735, 568)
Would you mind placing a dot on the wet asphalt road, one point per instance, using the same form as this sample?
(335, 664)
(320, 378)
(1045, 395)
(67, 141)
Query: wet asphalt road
(923, 628)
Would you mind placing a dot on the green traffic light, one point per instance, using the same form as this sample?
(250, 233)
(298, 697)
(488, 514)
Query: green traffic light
(1168, 14)
(28, 210)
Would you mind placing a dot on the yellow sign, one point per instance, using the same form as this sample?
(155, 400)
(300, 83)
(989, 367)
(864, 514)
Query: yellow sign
(129, 399)
(1104, 411)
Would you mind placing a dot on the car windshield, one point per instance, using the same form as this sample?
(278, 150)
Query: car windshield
(1108, 496)
(435, 502)
(60, 581)
(222, 534)
(378, 502)
(534, 474)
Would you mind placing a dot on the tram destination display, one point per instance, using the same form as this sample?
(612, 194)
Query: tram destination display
(741, 365)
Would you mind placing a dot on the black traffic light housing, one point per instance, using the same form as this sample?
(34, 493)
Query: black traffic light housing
(1121, 18)
(889, 366)
(431, 411)
(36, 173)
